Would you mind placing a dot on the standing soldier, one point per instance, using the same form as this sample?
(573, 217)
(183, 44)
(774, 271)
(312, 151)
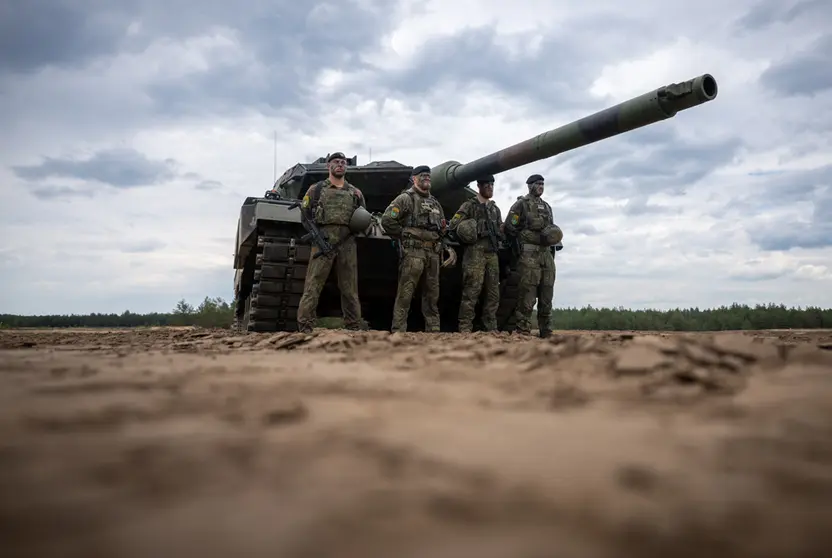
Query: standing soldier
(478, 223)
(330, 204)
(417, 220)
(530, 222)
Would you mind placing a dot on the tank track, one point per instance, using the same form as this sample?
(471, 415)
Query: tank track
(280, 267)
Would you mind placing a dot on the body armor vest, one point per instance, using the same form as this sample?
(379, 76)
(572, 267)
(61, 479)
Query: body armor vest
(426, 212)
(335, 205)
(482, 213)
(538, 216)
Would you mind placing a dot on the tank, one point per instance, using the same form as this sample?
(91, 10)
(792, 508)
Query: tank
(271, 254)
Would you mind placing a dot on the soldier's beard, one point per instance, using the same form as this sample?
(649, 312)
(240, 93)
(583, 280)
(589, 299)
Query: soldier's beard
(486, 193)
(537, 191)
(338, 173)
(422, 187)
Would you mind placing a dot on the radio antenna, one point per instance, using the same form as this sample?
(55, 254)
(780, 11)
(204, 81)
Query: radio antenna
(274, 179)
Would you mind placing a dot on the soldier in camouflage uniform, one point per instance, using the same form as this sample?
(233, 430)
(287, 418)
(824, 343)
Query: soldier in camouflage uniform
(330, 203)
(480, 264)
(530, 222)
(418, 221)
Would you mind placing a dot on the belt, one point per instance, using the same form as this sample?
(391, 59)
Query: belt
(418, 243)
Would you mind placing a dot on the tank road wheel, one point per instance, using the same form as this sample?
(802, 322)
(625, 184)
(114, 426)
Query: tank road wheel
(509, 291)
(279, 273)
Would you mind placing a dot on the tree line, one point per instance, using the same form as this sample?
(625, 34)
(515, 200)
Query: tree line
(217, 313)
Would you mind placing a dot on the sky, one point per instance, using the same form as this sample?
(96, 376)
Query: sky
(132, 131)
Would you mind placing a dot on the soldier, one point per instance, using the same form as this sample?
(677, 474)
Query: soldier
(530, 222)
(417, 220)
(331, 203)
(474, 224)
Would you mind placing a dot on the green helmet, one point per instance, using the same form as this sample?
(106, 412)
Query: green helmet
(552, 235)
(360, 220)
(467, 231)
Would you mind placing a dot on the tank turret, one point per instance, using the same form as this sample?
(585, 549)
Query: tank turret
(271, 256)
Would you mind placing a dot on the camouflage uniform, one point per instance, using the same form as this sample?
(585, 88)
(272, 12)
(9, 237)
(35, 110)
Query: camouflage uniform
(480, 265)
(418, 221)
(526, 220)
(332, 214)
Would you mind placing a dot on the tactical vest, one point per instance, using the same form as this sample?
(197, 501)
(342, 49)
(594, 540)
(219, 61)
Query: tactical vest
(426, 212)
(483, 213)
(538, 215)
(334, 206)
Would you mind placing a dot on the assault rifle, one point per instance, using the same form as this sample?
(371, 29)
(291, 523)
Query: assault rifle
(514, 249)
(314, 234)
(493, 233)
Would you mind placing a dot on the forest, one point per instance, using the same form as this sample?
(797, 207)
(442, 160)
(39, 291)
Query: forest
(218, 313)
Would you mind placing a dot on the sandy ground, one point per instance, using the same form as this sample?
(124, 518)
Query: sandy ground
(188, 442)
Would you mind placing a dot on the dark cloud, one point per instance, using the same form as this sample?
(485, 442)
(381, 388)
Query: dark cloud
(283, 45)
(8, 258)
(549, 76)
(752, 274)
(599, 153)
(36, 33)
(121, 168)
(645, 162)
(52, 192)
(289, 43)
(788, 235)
(207, 185)
(640, 205)
(143, 247)
(785, 190)
(806, 73)
(769, 12)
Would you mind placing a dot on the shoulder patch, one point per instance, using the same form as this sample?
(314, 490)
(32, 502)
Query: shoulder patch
(394, 212)
(457, 215)
(515, 219)
(305, 203)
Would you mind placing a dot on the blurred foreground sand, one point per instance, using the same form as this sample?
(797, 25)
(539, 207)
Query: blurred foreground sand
(188, 442)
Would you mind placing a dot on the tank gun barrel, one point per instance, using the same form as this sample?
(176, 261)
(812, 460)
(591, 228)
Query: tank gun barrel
(648, 108)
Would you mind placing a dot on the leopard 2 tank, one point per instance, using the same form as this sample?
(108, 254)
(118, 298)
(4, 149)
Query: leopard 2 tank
(271, 254)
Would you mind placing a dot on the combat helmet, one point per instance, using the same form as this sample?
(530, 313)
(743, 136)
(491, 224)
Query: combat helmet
(467, 231)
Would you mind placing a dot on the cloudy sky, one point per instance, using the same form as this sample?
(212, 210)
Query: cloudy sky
(134, 129)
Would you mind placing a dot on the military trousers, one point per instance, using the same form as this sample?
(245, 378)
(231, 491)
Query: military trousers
(537, 282)
(480, 272)
(416, 263)
(345, 260)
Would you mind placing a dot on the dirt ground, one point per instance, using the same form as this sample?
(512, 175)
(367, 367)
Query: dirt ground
(188, 442)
